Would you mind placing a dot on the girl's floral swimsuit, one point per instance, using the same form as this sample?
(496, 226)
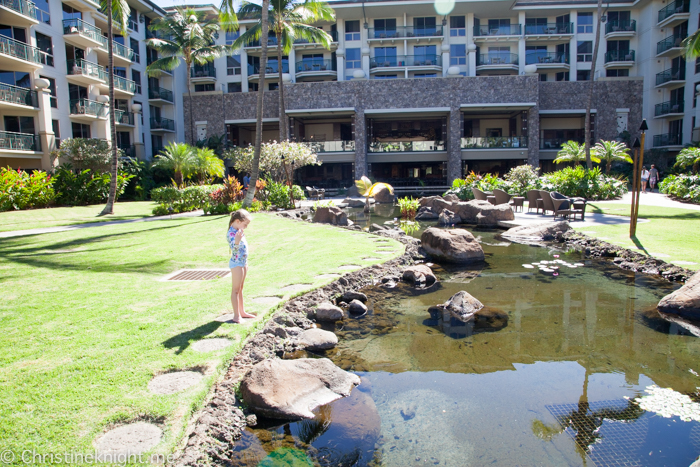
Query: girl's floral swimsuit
(239, 253)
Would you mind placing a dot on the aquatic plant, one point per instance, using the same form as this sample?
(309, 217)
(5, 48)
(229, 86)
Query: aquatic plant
(409, 207)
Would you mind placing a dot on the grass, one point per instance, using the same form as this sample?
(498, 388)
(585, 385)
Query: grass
(54, 217)
(86, 323)
(670, 234)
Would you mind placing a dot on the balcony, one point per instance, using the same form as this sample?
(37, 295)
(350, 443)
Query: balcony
(620, 29)
(320, 147)
(669, 109)
(306, 44)
(493, 142)
(81, 34)
(407, 146)
(405, 32)
(670, 46)
(547, 60)
(160, 94)
(200, 73)
(162, 124)
(20, 12)
(619, 58)
(87, 110)
(672, 77)
(15, 97)
(434, 61)
(123, 85)
(499, 32)
(668, 139)
(86, 73)
(497, 61)
(121, 54)
(674, 13)
(10, 141)
(315, 67)
(123, 118)
(272, 69)
(549, 31)
(18, 56)
(271, 42)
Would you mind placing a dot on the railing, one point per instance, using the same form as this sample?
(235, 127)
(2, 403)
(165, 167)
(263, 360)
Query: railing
(497, 59)
(620, 26)
(405, 60)
(22, 7)
(536, 56)
(160, 93)
(315, 64)
(118, 49)
(669, 107)
(405, 31)
(671, 74)
(493, 142)
(205, 71)
(679, 6)
(619, 56)
(272, 67)
(21, 50)
(333, 34)
(330, 146)
(17, 95)
(549, 29)
(124, 84)
(668, 139)
(19, 141)
(78, 26)
(87, 107)
(84, 68)
(406, 146)
(669, 43)
(162, 124)
(556, 143)
(122, 117)
(507, 30)
(272, 40)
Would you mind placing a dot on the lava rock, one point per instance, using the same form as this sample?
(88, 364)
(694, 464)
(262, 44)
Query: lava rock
(383, 195)
(426, 213)
(448, 217)
(538, 231)
(351, 295)
(684, 302)
(453, 246)
(330, 215)
(317, 339)
(462, 306)
(327, 312)
(357, 308)
(419, 274)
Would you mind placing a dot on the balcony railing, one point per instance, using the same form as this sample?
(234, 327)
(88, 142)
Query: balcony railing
(405, 60)
(494, 142)
(22, 51)
(670, 42)
(19, 141)
(620, 26)
(22, 7)
(671, 74)
(549, 29)
(406, 146)
(82, 67)
(333, 34)
(118, 49)
(679, 6)
(536, 56)
(78, 26)
(122, 117)
(669, 107)
(17, 95)
(405, 31)
(124, 84)
(668, 139)
(205, 71)
(497, 59)
(619, 56)
(313, 64)
(272, 40)
(330, 146)
(272, 67)
(160, 93)
(162, 124)
(507, 30)
(88, 107)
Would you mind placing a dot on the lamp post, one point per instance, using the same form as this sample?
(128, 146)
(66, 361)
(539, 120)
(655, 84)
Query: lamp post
(638, 173)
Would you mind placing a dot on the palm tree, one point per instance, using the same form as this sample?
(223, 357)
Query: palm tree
(119, 10)
(186, 35)
(587, 125)
(611, 151)
(178, 157)
(206, 164)
(571, 151)
(691, 44)
(289, 20)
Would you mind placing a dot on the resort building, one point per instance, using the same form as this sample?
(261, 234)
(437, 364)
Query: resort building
(55, 82)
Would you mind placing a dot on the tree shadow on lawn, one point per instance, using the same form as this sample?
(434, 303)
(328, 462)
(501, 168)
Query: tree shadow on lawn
(183, 340)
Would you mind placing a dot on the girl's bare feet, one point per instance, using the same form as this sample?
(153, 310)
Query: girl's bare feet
(247, 315)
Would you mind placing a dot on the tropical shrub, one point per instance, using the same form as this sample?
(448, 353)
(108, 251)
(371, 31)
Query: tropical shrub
(278, 194)
(611, 151)
(21, 190)
(522, 178)
(271, 159)
(688, 157)
(572, 151)
(686, 187)
(487, 182)
(82, 187)
(580, 182)
(185, 199)
(80, 153)
(409, 207)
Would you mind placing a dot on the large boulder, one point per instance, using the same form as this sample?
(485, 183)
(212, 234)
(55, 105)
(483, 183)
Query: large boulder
(448, 217)
(354, 202)
(426, 213)
(684, 302)
(350, 295)
(317, 339)
(383, 195)
(330, 215)
(538, 231)
(291, 389)
(420, 274)
(453, 246)
(493, 214)
(468, 210)
(435, 203)
(357, 308)
(327, 312)
(462, 306)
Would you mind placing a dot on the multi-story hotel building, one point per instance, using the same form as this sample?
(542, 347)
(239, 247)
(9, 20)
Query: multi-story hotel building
(54, 81)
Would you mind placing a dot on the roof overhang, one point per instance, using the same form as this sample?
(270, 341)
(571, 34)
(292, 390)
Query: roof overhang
(410, 112)
(499, 107)
(560, 112)
(341, 111)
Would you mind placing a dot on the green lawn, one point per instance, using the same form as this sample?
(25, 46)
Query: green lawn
(670, 235)
(86, 323)
(53, 217)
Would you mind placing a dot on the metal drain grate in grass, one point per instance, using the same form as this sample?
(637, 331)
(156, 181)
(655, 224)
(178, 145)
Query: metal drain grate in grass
(199, 274)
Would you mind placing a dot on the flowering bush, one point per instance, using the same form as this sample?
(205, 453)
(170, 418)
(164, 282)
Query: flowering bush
(686, 187)
(20, 190)
(271, 155)
(522, 178)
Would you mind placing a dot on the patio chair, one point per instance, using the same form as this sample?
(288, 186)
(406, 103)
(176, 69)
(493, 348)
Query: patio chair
(501, 196)
(534, 200)
(480, 195)
(547, 203)
(320, 192)
(312, 192)
(568, 207)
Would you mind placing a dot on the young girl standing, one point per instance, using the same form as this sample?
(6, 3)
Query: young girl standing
(239, 261)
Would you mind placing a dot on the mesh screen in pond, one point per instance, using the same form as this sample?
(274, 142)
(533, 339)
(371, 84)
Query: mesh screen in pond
(619, 433)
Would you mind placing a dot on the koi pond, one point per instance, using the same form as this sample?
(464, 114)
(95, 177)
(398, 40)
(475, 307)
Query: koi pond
(548, 377)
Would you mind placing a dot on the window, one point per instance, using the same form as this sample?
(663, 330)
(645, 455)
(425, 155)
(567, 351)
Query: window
(563, 76)
(17, 34)
(423, 27)
(15, 78)
(56, 132)
(425, 75)
(543, 76)
(19, 124)
(274, 86)
(352, 30)
(458, 54)
(136, 78)
(499, 27)
(44, 44)
(204, 87)
(231, 37)
(42, 11)
(584, 51)
(52, 88)
(499, 55)
(134, 20)
(584, 23)
(233, 65)
(457, 26)
(536, 54)
(536, 26)
(121, 104)
(151, 55)
(80, 130)
(123, 140)
(353, 58)
(253, 87)
(76, 92)
(424, 55)
(697, 65)
(385, 27)
(235, 87)
(135, 46)
(156, 144)
(71, 13)
(617, 73)
(583, 75)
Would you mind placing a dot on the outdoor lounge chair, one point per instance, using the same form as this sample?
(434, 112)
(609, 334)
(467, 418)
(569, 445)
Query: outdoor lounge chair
(501, 196)
(320, 192)
(312, 192)
(534, 200)
(568, 207)
(547, 203)
(480, 195)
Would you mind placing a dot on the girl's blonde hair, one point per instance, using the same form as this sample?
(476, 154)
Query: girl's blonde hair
(240, 215)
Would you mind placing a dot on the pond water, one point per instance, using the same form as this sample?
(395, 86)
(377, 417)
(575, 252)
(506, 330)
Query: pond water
(544, 378)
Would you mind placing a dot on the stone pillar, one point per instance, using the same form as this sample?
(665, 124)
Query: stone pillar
(454, 142)
(340, 64)
(139, 146)
(471, 47)
(47, 137)
(103, 128)
(445, 48)
(521, 44)
(365, 61)
(533, 136)
(360, 143)
(292, 60)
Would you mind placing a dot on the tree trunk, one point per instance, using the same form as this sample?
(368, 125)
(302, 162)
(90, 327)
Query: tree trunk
(189, 92)
(608, 165)
(587, 130)
(283, 116)
(112, 197)
(248, 201)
